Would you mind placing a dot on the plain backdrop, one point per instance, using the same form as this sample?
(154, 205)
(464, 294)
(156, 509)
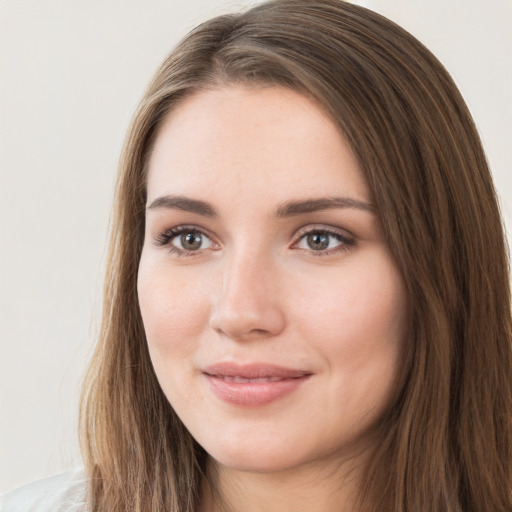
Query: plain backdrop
(71, 74)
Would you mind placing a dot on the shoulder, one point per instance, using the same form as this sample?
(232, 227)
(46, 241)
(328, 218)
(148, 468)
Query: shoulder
(61, 493)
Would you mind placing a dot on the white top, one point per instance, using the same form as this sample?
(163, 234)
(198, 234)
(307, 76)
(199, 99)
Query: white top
(61, 493)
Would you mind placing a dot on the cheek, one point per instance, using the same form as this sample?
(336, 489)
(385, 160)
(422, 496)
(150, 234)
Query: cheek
(173, 309)
(364, 345)
(357, 320)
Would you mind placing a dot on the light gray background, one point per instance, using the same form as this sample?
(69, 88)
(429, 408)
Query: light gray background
(71, 73)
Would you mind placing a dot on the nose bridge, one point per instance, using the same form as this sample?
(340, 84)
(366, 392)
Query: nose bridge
(248, 303)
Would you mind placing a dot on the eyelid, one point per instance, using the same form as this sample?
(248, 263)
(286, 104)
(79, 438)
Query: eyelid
(164, 239)
(347, 240)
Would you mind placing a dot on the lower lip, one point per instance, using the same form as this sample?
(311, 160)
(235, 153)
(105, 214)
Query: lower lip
(253, 394)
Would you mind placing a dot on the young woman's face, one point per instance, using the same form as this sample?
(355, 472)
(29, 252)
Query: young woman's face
(273, 310)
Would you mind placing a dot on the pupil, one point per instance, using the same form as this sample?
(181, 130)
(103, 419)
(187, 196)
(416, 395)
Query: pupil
(318, 241)
(191, 241)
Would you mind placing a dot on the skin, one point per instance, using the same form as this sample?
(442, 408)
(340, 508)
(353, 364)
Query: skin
(255, 289)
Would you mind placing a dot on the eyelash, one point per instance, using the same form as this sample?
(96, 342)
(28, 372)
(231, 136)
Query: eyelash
(346, 242)
(165, 240)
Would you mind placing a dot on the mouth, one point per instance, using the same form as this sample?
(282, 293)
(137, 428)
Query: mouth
(253, 385)
(246, 379)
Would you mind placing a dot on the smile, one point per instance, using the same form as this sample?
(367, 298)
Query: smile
(253, 385)
(245, 379)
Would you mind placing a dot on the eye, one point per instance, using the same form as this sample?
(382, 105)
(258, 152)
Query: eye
(323, 241)
(185, 240)
(191, 241)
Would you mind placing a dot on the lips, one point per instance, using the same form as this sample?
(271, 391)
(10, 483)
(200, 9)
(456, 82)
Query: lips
(246, 379)
(253, 385)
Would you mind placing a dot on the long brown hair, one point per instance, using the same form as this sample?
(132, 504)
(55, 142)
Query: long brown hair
(446, 441)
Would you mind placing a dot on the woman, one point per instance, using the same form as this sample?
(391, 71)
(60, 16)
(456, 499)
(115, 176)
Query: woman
(307, 303)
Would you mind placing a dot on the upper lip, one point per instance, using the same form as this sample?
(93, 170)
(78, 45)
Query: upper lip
(253, 371)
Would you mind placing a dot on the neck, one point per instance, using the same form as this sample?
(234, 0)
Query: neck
(324, 488)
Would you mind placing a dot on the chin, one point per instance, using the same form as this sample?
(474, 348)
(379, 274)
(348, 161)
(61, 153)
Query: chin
(254, 459)
(260, 465)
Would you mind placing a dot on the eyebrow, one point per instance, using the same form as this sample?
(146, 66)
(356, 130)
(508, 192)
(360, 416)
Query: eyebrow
(291, 208)
(287, 209)
(184, 204)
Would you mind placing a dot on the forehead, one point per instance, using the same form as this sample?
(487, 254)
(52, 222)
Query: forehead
(268, 142)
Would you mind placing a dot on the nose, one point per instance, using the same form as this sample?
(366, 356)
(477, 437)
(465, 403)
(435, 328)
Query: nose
(248, 305)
